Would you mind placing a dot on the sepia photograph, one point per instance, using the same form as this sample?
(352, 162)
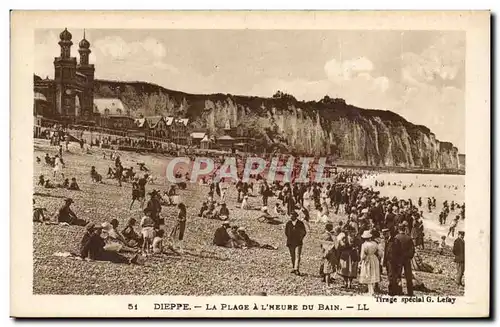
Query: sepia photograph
(253, 162)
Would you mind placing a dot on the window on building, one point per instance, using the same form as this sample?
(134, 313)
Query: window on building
(106, 111)
(118, 111)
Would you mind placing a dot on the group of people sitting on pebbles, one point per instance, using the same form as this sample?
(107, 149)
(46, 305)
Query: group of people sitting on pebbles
(106, 243)
(236, 237)
(73, 185)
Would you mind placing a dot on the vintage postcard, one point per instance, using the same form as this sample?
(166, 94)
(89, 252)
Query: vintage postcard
(250, 164)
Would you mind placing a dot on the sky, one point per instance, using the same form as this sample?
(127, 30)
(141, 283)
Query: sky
(417, 74)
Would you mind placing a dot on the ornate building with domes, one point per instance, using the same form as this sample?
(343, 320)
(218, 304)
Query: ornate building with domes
(70, 95)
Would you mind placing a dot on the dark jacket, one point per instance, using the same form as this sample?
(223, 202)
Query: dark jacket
(66, 215)
(154, 206)
(295, 234)
(91, 246)
(348, 251)
(388, 251)
(221, 237)
(403, 248)
(459, 250)
(390, 220)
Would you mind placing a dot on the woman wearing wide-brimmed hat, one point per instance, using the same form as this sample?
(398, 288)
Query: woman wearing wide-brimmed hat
(370, 265)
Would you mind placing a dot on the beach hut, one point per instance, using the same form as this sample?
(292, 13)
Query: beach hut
(226, 142)
(196, 138)
(205, 143)
(242, 146)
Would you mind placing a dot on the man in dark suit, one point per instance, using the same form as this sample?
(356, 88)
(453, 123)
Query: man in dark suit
(459, 252)
(295, 232)
(403, 251)
(391, 267)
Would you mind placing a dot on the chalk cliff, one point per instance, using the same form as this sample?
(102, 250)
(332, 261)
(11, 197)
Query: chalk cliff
(356, 136)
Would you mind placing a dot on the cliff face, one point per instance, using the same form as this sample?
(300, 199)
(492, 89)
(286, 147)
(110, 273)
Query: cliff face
(375, 141)
(328, 127)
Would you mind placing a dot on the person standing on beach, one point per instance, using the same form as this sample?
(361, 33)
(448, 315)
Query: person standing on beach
(391, 263)
(154, 207)
(348, 256)
(180, 227)
(453, 226)
(370, 264)
(390, 218)
(295, 232)
(58, 166)
(459, 252)
(264, 190)
(119, 172)
(404, 251)
(328, 254)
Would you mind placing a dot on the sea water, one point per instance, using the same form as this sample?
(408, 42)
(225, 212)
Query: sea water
(412, 186)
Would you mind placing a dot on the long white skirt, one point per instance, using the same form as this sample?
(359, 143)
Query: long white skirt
(370, 270)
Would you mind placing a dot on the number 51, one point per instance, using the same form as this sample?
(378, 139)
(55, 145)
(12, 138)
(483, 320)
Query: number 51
(132, 306)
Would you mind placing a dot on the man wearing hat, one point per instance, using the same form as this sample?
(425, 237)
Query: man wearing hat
(459, 252)
(389, 262)
(390, 218)
(295, 232)
(221, 236)
(154, 207)
(403, 251)
(66, 215)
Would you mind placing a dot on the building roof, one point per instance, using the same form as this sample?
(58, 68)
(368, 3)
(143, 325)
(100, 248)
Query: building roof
(169, 120)
(121, 117)
(226, 137)
(198, 135)
(206, 139)
(39, 97)
(183, 121)
(153, 120)
(141, 122)
(110, 106)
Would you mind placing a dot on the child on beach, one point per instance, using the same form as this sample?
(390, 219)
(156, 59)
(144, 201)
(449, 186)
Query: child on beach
(147, 230)
(158, 242)
(442, 244)
(131, 237)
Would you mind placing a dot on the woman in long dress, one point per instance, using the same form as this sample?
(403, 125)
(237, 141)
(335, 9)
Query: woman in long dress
(328, 254)
(349, 258)
(370, 265)
(58, 166)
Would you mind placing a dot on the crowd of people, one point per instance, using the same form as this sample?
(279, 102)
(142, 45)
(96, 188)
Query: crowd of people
(370, 234)
(378, 234)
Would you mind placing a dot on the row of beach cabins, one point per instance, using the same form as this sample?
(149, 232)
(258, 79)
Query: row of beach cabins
(171, 131)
